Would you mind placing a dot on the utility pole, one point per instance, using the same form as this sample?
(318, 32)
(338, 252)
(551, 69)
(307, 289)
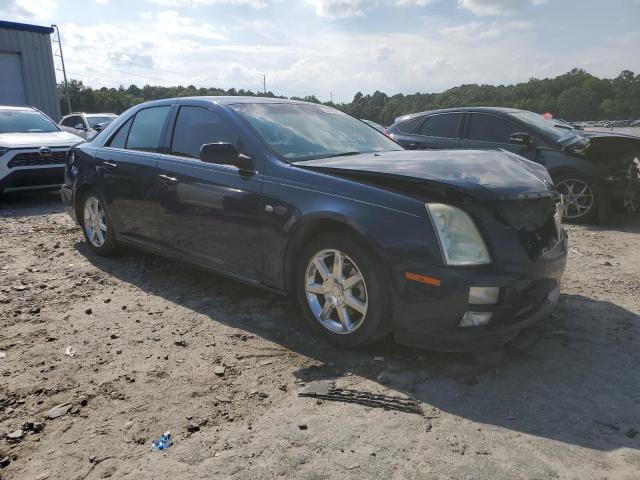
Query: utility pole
(332, 96)
(64, 71)
(264, 83)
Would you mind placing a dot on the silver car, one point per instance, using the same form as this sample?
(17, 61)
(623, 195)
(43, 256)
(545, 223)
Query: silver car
(86, 125)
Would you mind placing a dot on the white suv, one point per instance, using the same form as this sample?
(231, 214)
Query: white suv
(32, 149)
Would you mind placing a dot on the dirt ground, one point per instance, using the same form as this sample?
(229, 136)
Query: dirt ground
(561, 401)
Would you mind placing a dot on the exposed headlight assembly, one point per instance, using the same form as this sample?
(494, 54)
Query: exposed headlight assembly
(460, 240)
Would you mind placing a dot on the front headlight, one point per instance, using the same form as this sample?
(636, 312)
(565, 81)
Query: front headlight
(460, 240)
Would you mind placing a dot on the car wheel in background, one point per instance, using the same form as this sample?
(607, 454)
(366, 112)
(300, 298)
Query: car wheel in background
(96, 225)
(581, 197)
(342, 291)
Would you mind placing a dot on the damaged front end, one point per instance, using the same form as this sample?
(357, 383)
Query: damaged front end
(617, 161)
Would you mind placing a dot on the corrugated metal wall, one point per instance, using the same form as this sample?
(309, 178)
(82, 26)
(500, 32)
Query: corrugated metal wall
(37, 67)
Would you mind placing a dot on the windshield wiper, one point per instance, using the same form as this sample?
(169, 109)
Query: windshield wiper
(343, 154)
(564, 127)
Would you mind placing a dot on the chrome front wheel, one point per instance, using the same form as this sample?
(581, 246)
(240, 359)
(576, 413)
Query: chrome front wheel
(95, 221)
(336, 291)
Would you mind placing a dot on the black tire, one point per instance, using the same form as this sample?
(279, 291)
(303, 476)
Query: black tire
(377, 321)
(109, 246)
(561, 181)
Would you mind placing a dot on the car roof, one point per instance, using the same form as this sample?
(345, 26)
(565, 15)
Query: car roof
(229, 100)
(100, 114)
(410, 116)
(12, 107)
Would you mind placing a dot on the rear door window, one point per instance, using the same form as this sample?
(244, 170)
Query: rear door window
(442, 125)
(410, 126)
(491, 128)
(196, 126)
(146, 129)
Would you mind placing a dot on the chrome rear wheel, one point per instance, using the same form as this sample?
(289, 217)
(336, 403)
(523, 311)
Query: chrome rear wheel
(94, 221)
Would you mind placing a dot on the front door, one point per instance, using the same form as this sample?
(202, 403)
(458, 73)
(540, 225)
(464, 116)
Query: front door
(209, 212)
(488, 131)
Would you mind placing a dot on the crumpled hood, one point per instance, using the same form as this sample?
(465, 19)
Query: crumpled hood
(35, 139)
(577, 136)
(485, 174)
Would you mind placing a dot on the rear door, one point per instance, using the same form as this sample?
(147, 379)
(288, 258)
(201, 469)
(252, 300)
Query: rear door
(209, 212)
(127, 168)
(489, 131)
(436, 131)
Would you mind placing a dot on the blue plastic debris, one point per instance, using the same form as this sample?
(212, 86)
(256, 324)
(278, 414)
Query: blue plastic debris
(162, 443)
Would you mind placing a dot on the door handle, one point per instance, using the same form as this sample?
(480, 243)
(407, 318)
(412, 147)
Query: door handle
(109, 165)
(167, 180)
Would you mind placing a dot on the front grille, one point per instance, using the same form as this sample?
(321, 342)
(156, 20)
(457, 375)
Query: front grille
(29, 159)
(535, 222)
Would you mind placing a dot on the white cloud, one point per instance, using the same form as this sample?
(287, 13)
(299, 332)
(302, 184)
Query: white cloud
(474, 31)
(196, 3)
(352, 8)
(175, 24)
(28, 10)
(497, 7)
(341, 8)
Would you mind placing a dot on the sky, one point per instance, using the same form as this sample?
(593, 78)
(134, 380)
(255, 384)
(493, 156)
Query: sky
(335, 48)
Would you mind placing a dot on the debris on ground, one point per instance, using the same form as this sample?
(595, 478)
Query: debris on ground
(326, 390)
(219, 370)
(15, 435)
(70, 352)
(58, 411)
(162, 443)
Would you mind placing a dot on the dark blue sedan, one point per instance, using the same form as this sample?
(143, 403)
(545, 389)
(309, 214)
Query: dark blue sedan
(450, 250)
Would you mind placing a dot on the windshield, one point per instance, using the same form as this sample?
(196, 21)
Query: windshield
(93, 121)
(25, 121)
(552, 127)
(303, 132)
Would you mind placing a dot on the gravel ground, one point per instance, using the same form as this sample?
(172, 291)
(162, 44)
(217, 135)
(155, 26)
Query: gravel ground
(146, 336)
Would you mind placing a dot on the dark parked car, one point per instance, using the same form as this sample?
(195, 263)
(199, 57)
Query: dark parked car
(301, 198)
(373, 124)
(593, 170)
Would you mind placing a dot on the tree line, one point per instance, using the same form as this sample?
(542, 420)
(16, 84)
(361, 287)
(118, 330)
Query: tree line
(574, 96)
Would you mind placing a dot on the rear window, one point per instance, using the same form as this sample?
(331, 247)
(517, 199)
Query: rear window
(442, 125)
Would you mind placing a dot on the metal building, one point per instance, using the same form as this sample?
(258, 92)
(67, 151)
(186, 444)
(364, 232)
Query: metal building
(27, 74)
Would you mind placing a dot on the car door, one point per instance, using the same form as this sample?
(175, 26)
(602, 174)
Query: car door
(489, 131)
(127, 168)
(436, 131)
(209, 212)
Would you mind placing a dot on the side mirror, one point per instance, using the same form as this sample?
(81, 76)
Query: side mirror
(225, 154)
(80, 126)
(98, 127)
(522, 139)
